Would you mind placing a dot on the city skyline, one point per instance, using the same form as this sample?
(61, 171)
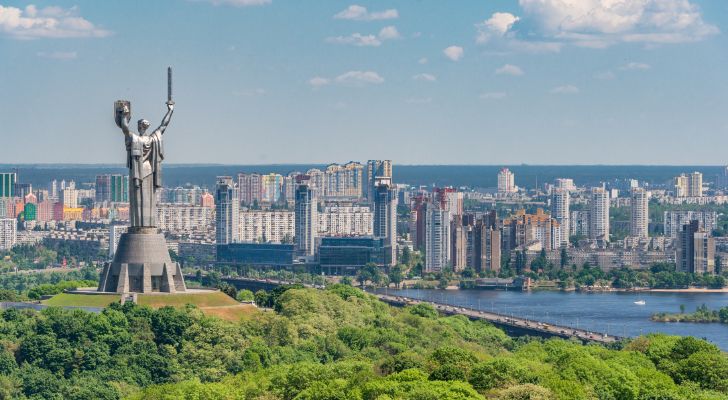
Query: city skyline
(504, 83)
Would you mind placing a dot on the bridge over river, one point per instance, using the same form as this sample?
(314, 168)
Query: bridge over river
(512, 325)
(509, 323)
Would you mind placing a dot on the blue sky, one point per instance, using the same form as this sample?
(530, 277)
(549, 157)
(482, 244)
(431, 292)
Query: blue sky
(426, 82)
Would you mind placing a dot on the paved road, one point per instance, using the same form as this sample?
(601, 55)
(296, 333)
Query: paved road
(500, 319)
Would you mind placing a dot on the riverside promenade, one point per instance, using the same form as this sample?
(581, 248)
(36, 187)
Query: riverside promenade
(511, 324)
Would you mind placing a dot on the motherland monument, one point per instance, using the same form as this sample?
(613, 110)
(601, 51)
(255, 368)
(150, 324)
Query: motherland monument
(142, 263)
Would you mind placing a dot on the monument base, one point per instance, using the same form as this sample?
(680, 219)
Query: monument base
(142, 265)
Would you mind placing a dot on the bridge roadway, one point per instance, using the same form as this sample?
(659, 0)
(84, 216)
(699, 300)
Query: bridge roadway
(509, 323)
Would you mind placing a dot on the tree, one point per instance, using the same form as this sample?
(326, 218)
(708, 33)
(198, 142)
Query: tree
(406, 256)
(718, 261)
(564, 258)
(245, 295)
(396, 275)
(370, 272)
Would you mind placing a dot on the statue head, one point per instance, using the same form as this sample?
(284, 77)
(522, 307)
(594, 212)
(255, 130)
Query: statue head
(143, 124)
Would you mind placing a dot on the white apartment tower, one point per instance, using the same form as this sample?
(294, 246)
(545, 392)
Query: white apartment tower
(437, 237)
(639, 220)
(695, 184)
(376, 169)
(599, 214)
(506, 181)
(8, 233)
(560, 199)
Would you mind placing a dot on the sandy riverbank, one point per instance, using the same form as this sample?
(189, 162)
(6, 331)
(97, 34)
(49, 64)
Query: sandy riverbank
(689, 290)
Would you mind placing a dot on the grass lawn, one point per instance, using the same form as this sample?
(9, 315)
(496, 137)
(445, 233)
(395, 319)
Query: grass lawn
(87, 300)
(201, 300)
(231, 313)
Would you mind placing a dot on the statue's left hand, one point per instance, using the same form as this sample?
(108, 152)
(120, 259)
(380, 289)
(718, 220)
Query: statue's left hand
(170, 106)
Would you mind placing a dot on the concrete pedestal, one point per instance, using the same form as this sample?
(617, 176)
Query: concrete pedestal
(142, 265)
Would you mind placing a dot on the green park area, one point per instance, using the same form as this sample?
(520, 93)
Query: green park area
(82, 300)
(211, 299)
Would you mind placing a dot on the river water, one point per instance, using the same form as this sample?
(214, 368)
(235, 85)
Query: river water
(612, 312)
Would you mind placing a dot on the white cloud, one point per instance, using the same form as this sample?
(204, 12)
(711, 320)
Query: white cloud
(602, 23)
(566, 89)
(493, 95)
(425, 77)
(356, 39)
(455, 53)
(58, 55)
(497, 25)
(596, 24)
(359, 13)
(318, 81)
(389, 33)
(509, 69)
(358, 78)
(422, 60)
(351, 78)
(48, 22)
(239, 3)
(635, 66)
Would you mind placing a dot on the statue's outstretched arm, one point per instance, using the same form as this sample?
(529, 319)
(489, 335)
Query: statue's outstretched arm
(124, 122)
(166, 119)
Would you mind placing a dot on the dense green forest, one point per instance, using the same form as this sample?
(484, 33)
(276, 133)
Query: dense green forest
(338, 343)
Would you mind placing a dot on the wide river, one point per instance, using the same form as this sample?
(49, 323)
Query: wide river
(613, 312)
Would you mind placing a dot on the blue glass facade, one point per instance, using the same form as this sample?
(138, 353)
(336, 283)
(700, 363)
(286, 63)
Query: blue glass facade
(256, 254)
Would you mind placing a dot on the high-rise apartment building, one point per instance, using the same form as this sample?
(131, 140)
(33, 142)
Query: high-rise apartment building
(7, 184)
(675, 220)
(227, 211)
(344, 180)
(267, 226)
(560, 203)
(695, 184)
(436, 237)
(103, 188)
(565, 183)
(346, 220)
(183, 219)
(460, 230)
(599, 214)
(385, 216)
(681, 186)
(695, 250)
(272, 185)
(486, 244)
(8, 233)
(639, 220)
(70, 198)
(53, 190)
(207, 200)
(375, 169)
(306, 210)
(506, 181)
(250, 188)
(521, 229)
(119, 188)
(115, 232)
(690, 185)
